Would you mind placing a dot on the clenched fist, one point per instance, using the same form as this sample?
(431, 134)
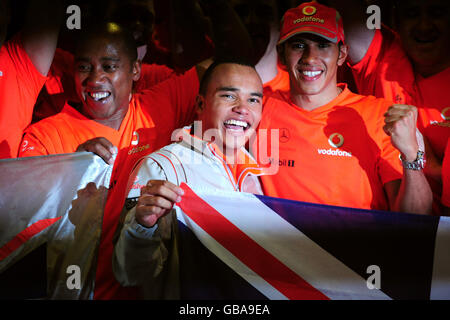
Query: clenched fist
(156, 200)
(400, 124)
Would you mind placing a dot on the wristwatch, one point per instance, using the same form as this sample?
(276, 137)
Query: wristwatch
(417, 164)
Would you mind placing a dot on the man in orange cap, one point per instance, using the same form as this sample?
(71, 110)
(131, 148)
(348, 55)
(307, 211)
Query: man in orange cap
(334, 147)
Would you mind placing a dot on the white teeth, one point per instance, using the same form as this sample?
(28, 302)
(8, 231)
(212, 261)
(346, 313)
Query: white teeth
(311, 73)
(99, 95)
(237, 123)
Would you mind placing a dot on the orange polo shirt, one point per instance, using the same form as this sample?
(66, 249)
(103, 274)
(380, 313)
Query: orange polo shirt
(280, 82)
(20, 83)
(337, 154)
(386, 72)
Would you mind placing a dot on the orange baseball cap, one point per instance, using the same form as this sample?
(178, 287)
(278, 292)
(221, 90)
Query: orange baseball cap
(315, 18)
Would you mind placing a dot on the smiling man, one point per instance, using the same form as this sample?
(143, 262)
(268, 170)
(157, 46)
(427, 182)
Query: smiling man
(110, 114)
(229, 106)
(335, 148)
(113, 122)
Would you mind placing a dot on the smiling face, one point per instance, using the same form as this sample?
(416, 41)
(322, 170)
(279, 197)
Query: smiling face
(104, 75)
(312, 63)
(231, 105)
(424, 28)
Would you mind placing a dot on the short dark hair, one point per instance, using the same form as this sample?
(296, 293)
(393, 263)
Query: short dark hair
(208, 73)
(113, 30)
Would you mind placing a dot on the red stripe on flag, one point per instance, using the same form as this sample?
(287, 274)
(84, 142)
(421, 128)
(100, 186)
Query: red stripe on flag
(246, 249)
(25, 235)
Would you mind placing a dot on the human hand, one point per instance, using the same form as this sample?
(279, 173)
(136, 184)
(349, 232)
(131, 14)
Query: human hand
(101, 147)
(400, 124)
(156, 200)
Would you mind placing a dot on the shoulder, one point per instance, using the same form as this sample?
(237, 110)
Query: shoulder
(55, 122)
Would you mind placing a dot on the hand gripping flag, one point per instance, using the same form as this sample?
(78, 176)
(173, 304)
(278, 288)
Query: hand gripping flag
(57, 200)
(242, 246)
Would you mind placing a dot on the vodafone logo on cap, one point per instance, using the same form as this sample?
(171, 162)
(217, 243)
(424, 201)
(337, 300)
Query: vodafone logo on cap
(135, 140)
(309, 10)
(336, 140)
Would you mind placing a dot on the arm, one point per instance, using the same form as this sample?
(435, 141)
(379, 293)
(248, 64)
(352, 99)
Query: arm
(146, 241)
(357, 36)
(231, 38)
(412, 193)
(40, 33)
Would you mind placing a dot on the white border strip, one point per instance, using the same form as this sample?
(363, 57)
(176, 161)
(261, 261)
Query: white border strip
(440, 281)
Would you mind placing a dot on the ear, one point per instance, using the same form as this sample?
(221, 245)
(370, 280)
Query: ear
(281, 57)
(199, 104)
(136, 70)
(343, 52)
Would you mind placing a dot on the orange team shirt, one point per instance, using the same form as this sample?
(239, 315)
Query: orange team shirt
(20, 83)
(386, 71)
(337, 154)
(446, 176)
(152, 117)
(280, 82)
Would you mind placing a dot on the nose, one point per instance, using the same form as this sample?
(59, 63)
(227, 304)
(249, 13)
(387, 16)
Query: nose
(242, 107)
(95, 77)
(425, 23)
(310, 54)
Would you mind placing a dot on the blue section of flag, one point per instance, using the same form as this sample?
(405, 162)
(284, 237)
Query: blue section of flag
(402, 245)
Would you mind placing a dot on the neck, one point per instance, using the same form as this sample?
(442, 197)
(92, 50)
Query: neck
(310, 102)
(113, 122)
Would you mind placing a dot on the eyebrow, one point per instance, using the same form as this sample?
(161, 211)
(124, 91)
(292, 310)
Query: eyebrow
(85, 59)
(233, 89)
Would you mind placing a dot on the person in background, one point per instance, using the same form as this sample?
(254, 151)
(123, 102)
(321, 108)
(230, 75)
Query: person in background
(25, 60)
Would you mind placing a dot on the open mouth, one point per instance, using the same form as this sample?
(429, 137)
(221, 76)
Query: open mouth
(311, 75)
(236, 125)
(99, 95)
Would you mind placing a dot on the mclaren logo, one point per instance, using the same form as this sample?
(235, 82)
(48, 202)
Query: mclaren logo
(336, 140)
(309, 10)
(285, 135)
(445, 114)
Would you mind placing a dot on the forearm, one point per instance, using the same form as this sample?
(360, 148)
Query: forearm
(231, 38)
(139, 253)
(41, 30)
(357, 35)
(414, 194)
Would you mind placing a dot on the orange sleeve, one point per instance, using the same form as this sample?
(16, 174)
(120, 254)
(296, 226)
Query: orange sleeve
(30, 79)
(20, 84)
(446, 176)
(365, 70)
(177, 98)
(385, 71)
